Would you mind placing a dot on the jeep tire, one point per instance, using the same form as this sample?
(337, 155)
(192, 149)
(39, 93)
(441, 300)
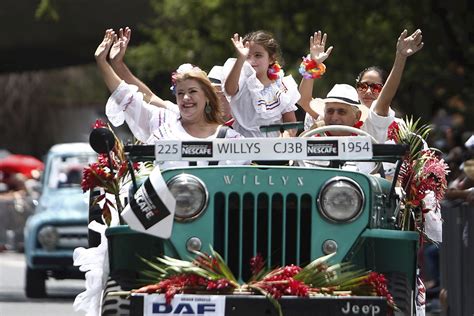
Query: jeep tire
(35, 286)
(114, 304)
(400, 288)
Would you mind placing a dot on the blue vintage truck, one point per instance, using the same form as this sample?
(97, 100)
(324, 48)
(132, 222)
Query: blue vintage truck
(59, 222)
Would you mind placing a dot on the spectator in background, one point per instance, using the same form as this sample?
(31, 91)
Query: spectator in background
(16, 205)
(215, 76)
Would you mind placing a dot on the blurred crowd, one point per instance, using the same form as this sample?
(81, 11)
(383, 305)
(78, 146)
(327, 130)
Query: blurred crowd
(453, 138)
(19, 183)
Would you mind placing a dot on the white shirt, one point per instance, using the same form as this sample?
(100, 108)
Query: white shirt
(177, 132)
(150, 123)
(255, 105)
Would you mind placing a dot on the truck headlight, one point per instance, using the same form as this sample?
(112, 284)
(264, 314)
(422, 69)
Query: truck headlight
(48, 237)
(191, 196)
(340, 199)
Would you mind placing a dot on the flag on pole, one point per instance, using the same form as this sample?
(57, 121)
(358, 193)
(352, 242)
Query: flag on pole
(151, 208)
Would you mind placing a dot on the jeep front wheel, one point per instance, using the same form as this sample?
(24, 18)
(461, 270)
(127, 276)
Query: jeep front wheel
(111, 304)
(399, 287)
(35, 286)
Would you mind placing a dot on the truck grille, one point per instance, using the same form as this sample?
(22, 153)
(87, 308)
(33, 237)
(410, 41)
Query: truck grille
(71, 237)
(276, 226)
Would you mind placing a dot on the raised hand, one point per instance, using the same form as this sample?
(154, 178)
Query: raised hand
(104, 47)
(407, 46)
(317, 45)
(117, 51)
(241, 49)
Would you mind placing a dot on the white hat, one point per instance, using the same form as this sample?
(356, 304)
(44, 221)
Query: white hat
(215, 75)
(340, 93)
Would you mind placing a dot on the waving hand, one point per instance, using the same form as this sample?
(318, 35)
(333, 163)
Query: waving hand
(317, 45)
(407, 46)
(241, 49)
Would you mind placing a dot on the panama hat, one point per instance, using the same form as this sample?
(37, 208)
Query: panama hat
(340, 93)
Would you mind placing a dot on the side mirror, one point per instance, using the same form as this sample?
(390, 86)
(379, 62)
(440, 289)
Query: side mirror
(102, 140)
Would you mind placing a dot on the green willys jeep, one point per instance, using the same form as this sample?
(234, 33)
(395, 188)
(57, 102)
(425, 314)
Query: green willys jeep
(288, 214)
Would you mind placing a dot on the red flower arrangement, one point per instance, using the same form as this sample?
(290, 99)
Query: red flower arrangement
(422, 172)
(109, 173)
(210, 274)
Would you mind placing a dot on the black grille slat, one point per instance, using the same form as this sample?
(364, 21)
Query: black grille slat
(291, 229)
(220, 212)
(233, 233)
(305, 234)
(248, 237)
(262, 224)
(275, 257)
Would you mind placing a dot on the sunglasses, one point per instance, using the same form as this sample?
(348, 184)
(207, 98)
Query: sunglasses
(375, 87)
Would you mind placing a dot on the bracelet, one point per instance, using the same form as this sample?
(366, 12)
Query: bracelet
(310, 69)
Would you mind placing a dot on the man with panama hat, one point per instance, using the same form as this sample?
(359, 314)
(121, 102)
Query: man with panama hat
(342, 107)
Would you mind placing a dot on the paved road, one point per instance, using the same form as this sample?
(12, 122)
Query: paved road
(13, 302)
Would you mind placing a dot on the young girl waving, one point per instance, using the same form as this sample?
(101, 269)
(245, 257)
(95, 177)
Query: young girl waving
(259, 93)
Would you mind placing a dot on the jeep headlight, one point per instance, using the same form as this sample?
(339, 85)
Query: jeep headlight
(340, 199)
(191, 196)
(48, 237)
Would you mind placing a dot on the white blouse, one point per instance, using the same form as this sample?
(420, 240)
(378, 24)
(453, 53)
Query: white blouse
(150, 123)
(126, 104)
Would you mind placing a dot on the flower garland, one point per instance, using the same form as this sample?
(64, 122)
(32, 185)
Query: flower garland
(209, 273)
(273, 71)
(310, 69)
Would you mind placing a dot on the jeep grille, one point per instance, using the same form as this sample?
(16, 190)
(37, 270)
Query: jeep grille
(276, 226)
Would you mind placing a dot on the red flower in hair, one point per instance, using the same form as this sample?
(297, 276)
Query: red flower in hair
(273, 71)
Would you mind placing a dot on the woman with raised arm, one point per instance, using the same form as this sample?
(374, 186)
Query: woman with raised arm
(196, 115)
(373, 91)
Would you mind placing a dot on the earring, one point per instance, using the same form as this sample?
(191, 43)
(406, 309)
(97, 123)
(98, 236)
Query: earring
(207, 108)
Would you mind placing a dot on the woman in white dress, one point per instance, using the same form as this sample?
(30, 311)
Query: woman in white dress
(197, 114)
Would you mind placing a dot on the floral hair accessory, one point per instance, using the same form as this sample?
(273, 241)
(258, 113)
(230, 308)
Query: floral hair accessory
(310, 69)
(273, 71)
(181, 70)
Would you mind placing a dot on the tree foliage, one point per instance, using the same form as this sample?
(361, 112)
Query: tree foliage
(363, 33)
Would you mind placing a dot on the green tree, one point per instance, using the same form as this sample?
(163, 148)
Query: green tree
(363, 33)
